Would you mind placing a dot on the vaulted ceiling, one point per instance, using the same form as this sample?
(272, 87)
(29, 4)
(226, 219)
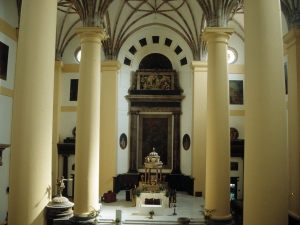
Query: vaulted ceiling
(121, 19)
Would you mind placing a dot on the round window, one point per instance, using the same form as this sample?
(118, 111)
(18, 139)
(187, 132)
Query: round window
(232, 55)
(77, 54)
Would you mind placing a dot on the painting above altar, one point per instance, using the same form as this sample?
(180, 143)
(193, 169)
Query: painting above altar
(155, 131)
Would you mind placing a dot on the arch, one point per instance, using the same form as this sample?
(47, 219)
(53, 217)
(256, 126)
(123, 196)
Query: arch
(155, 61)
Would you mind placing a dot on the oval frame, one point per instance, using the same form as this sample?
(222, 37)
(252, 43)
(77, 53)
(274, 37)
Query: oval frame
(123, 141)
(186, 142)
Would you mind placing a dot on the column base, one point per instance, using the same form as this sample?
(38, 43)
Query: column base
(82, 220)
(224, 220)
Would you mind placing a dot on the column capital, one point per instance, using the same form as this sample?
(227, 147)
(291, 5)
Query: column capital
(86, 32)
(292, 38)
(217, 32)
(110, 65)
(198, 66)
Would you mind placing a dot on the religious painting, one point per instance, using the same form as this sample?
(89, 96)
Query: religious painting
(123, 141)
(73, 89)
(186, 141)
(155, 133)
(236, 92)
(234, 166)
(234, 134)
(286, 77)
(3, 60)
(158, 80)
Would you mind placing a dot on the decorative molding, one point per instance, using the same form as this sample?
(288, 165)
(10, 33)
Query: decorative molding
(68, 109)
(6, 92)
(8, 30)
(236, 69)
(237, 112)
(71, 68)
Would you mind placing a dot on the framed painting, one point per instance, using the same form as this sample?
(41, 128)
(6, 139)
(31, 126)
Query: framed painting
(286, 77)
(155, 131)
(186, 142)
(4, 49)
(234, 166)
(73, 89)
(236, 92)
(123, 141)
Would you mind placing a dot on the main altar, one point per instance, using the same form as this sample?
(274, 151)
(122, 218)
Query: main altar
(152, 192)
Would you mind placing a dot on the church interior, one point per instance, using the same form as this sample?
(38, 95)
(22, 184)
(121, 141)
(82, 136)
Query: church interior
(150, 101)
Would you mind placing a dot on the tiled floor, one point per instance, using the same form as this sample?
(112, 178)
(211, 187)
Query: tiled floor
(187, 206)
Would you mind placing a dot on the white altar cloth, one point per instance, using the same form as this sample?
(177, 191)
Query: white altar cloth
(158, 209)
(163, 199)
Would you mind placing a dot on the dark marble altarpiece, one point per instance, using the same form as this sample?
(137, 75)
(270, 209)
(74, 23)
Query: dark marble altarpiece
(155, 132)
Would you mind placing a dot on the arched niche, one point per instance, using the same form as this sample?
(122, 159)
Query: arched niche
(155, 61)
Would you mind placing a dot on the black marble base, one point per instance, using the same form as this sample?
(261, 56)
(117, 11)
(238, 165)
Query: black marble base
(225, 222)
(82, 220)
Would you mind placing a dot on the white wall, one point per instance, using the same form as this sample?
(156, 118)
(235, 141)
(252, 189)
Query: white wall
(8, 14)
(5, 135)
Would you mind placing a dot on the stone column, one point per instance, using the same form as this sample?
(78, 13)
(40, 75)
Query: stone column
(218, 131)
(88, 123)
(199, 70)
(56, 123)
(176, 145)
(31, 139)
(133, 143)
(292, 41)
(109, 124)
(266, 175)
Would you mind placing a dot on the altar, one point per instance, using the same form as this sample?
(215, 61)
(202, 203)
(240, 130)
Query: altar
(152, 192)
(164, 201)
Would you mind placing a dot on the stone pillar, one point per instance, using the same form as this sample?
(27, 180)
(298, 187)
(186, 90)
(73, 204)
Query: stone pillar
(199, 70)
(265, 170)
(133, 143)
(176, 145)
(218, 131)
(56, 123)
(292, 41)
(109, 124)
(88, 123)
(31, 139)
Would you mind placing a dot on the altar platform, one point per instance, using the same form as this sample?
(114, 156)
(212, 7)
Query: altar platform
(187, 206)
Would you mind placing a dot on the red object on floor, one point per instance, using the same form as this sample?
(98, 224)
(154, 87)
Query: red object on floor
(110, 197)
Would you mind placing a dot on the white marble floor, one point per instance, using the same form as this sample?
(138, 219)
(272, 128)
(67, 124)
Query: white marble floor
(187, 206)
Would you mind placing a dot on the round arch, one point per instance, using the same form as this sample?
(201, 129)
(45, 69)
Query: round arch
(155, 61)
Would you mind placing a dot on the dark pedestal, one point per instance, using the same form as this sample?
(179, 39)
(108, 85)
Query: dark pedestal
(127, 194)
